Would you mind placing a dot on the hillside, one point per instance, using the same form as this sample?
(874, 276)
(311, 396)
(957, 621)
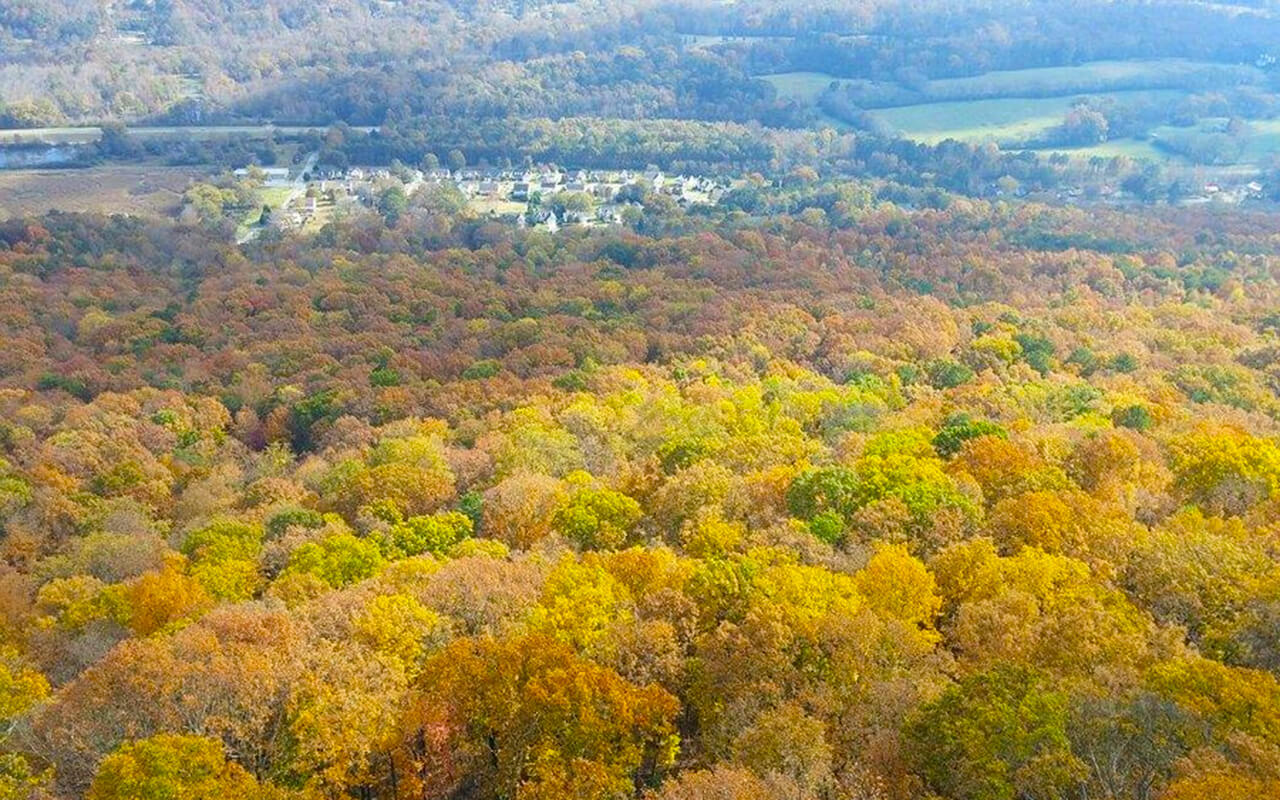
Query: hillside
(664, 400)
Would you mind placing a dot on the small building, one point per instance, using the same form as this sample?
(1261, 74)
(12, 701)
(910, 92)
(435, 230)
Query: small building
(520, 191)
(610, 215)
(546, 220)
(271, 176)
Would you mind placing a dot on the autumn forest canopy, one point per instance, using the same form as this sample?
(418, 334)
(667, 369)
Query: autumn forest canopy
(870, 467)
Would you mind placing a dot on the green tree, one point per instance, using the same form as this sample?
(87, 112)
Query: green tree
(435, 534)
(171, 767)
(392, 204)
(997, 735)
(959, 428)
(594, 517)
(337, 560)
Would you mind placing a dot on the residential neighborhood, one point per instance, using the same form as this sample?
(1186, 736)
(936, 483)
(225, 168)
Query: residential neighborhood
(545, 196)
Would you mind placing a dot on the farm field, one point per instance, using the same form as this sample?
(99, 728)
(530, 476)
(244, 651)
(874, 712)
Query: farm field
(1003, 120)
(1130, 148)
(1263, 141)
(1013, 106)
(1093, 77)
(803, 86)
(1258, 143)
(141, 190)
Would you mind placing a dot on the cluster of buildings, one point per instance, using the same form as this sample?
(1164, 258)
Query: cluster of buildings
(603, 186)
(552, 198)
(545, 197)
(1226, 193)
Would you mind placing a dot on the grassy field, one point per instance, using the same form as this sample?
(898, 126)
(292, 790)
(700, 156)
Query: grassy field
(274, 197)
(142, 190)
(1006, 120)
(1130, 148)
(1259, 143)
(484, 206)
(802, 86)
(805, 87)
(1263, 142)
(1091, 78)
(1011, 107)
(1096, 77)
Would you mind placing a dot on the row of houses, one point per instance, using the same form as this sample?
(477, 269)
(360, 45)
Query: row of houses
(500, 194)
(547, 219)
(604, 187)
(522, 185)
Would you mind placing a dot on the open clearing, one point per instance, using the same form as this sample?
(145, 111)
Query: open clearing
(272, 197)
(1013, 107)
(1095, 77)
(1130, 148)
(802, 86)
(1260, 141)
(485, 206)
(806, 87)
(142, 190)
(1091, 78)
(1006, 120)
(1263, 142)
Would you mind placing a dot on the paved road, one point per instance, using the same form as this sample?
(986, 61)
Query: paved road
(88, 134)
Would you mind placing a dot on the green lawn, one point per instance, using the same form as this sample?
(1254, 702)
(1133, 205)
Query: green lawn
(487, 205)
(274, 197)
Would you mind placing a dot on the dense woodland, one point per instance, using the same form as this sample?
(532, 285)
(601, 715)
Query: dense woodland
(881, 479)
(978, 502)
(365, 62)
